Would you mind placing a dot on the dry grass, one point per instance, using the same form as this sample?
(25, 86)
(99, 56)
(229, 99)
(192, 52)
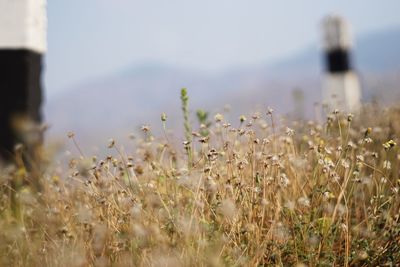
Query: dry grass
(257, 194)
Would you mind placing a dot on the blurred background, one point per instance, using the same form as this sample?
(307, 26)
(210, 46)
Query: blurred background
(114, 65)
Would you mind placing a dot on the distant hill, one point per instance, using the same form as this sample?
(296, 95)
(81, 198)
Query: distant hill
(379, 52)
(373, 53)
(116, 105)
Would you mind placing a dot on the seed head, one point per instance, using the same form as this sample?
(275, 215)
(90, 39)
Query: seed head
(111, 143)
(228, 209)
(163, 117)
(350, 117)
(367, 132)
(289, 131)
(389, 144)
(255, 116)
(387, 165)
(145, 128)
(219, 117)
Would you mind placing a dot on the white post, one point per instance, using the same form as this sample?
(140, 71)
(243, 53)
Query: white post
(341, 88)
(23, 27)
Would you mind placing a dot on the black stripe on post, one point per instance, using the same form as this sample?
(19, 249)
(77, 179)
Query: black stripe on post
(20, 93)
(338, 60)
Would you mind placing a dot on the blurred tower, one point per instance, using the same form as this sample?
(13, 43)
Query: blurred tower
(23, 26)
(341, 87)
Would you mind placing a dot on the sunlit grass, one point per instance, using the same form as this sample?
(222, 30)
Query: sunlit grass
(258, 191)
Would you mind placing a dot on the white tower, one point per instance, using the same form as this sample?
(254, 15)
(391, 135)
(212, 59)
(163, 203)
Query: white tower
(341, 87)
(23, 27)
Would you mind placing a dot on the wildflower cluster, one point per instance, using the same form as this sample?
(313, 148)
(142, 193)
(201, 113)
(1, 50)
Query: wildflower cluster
(265, 193)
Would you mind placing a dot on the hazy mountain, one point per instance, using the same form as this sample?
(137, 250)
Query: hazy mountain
(116, 105)
(379, 52)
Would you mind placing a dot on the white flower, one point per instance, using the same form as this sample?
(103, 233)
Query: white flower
(387, 165)
(368, 140)
(218, 117)
(289, 131)
(345, 163)
(304, 201)
(284, 180)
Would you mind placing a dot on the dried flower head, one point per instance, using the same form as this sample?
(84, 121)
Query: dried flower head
(389, 144)
(111, 143)
(163, 117)
(218, 117)
(145, 128)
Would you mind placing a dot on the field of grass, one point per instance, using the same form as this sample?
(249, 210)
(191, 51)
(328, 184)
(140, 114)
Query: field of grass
(259, 191)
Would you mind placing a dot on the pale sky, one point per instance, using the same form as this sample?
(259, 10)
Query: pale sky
(90, 39)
